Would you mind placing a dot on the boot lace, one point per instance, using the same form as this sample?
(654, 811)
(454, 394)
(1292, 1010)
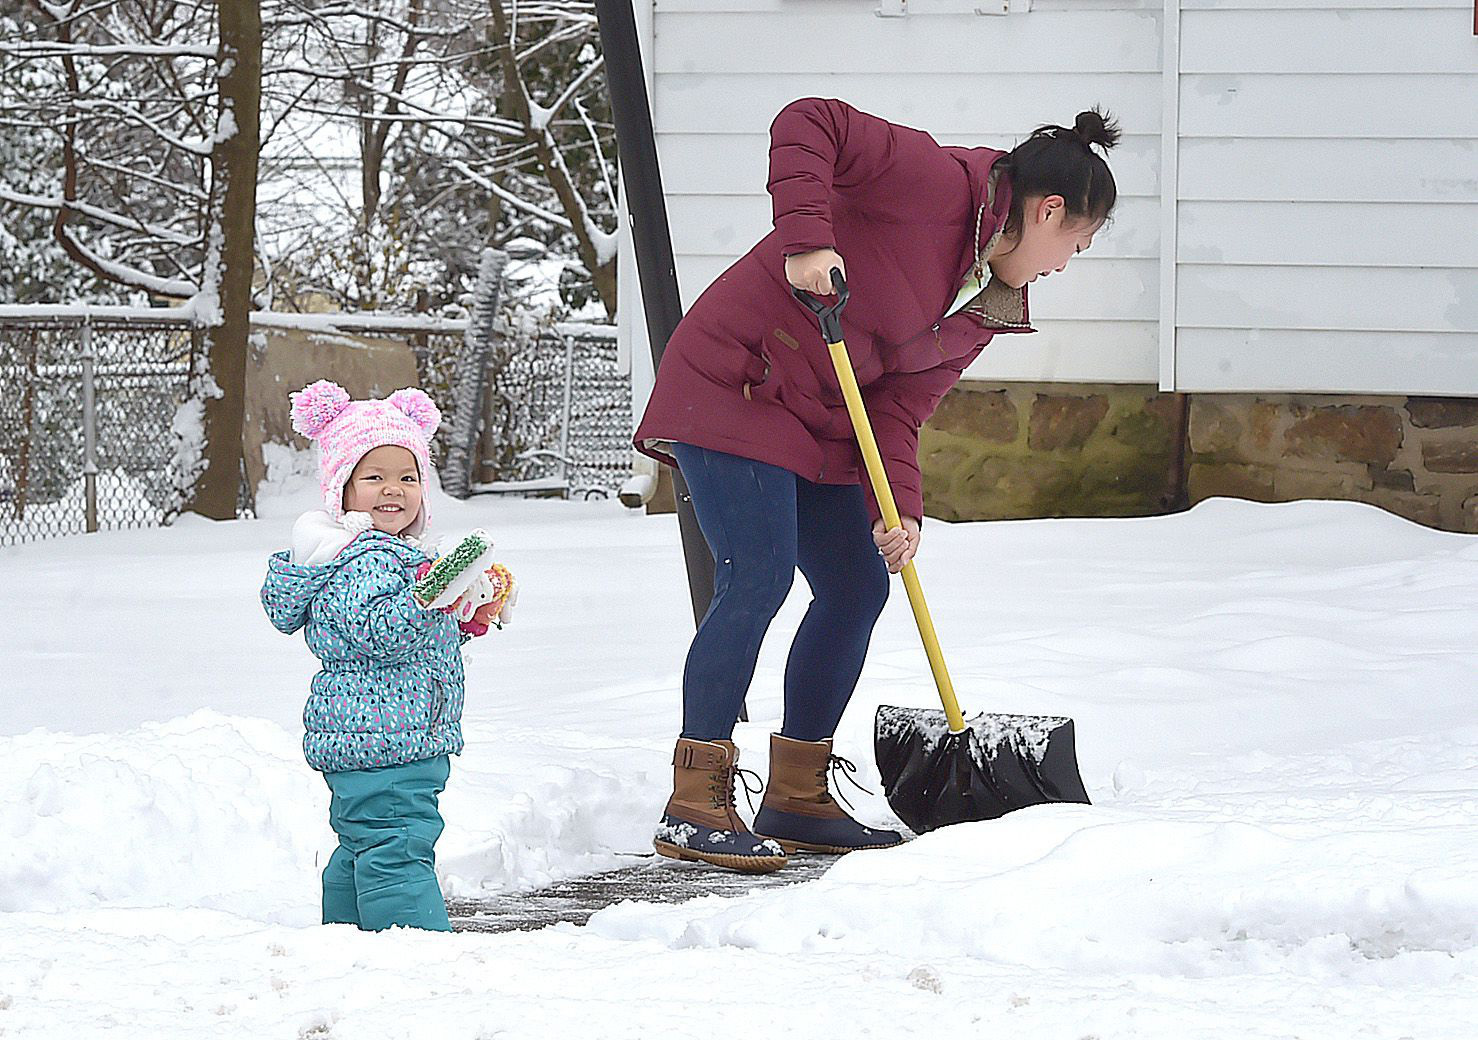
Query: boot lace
(721, 787)
(837, 766)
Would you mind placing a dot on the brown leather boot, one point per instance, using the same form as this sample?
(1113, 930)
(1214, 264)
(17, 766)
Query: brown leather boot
(700, 822)
(799, 811)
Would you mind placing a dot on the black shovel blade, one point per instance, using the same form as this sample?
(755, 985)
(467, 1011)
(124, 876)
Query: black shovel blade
(934, 778)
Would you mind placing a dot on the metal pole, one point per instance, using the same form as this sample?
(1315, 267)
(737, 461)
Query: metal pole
(564, 430)
(641, 179)
(89, 429)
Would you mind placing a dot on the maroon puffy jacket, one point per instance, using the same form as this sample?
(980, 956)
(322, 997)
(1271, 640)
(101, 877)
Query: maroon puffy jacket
(747, 372)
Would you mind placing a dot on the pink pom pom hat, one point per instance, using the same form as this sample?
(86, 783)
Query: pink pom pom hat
(346, 431)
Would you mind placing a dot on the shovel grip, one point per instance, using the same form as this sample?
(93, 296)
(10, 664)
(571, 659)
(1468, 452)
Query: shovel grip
(829, 317)
(877, 474)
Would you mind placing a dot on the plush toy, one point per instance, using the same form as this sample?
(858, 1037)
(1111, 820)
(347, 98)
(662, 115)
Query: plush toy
(497, 611)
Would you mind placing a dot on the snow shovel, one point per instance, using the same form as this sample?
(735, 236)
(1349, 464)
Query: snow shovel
(938, 769)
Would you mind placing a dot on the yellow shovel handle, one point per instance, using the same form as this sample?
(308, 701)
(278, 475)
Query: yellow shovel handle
(883, 492)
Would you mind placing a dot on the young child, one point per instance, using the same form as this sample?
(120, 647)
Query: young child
(385, 711)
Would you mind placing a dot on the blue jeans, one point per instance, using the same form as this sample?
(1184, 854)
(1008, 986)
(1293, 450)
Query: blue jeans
(762, 522)
(384, 871)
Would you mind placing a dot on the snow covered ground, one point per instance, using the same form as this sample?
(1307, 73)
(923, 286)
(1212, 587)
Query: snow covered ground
(1276, 720)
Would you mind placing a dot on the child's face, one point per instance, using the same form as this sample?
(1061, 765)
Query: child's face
(387, 485)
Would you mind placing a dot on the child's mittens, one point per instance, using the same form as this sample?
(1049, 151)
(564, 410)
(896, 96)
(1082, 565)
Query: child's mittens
(462, 608)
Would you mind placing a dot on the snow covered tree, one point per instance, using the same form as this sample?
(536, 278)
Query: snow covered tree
(342, 81)
(398, 148)
(122, 93)
(151, 126)
(36, 268)
(550, 51)
(401, 137)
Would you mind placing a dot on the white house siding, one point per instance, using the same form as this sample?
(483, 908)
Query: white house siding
(1327, 218)
(1327, 162)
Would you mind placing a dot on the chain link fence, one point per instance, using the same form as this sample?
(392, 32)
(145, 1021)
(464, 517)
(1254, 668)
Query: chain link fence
(557, 416)
(87, 402)
(85, 413)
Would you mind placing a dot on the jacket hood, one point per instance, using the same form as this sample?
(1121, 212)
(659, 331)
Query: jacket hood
(290, 588)
(999, 306)
(990, 192)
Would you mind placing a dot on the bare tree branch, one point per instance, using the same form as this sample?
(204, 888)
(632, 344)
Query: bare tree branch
(115, 219)
(201, 148)
(46, 49)
(574, 88)
(509, 197)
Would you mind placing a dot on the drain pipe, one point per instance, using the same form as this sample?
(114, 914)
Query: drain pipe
(636, 149)
(1177, 497)
(641, 485)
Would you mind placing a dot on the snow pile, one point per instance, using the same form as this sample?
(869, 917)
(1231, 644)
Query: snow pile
(98, 820)
(289, 486)
(1101, 891)
(522, 823)
(221, 812)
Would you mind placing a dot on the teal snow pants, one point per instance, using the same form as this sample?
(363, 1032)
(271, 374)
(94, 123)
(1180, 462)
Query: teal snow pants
(384, 871)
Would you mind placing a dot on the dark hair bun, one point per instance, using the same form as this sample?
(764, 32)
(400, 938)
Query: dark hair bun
(1097, 127)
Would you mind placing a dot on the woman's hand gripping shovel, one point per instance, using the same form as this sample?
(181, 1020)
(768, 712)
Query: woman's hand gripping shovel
(938, 769)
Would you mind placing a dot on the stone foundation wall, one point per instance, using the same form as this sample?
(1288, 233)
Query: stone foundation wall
(1025, 450)
(1416, 456)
